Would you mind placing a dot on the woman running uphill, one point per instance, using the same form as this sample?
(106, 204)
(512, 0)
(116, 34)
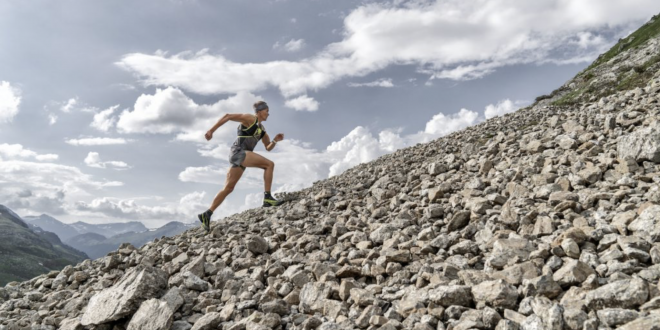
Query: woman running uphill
(250, 131)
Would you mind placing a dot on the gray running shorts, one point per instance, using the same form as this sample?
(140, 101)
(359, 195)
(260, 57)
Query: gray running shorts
(236, 159)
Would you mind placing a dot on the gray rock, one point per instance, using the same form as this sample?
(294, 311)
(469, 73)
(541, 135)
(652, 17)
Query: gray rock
(313, 296)
(574, 318)
(181, 325)
(572, 272)
(257, 244)
(124, 298)
(543, 285)
(459, 220)
(651, 322)
(498, 294)
(647, 224)
(620, 294)
(155, 314)
(70, 324)
(209, 321)
(613, 317)
(643, 144)
(448, 295)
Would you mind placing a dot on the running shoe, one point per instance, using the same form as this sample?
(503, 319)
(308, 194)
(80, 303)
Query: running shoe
(205, 219)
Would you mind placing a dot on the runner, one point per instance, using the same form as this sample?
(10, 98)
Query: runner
(250, 131)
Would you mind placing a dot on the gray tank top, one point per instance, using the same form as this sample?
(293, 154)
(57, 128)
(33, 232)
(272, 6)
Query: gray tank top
(248, 137)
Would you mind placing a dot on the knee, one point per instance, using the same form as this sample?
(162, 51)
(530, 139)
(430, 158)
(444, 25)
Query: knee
(270, 164)
(228, 189)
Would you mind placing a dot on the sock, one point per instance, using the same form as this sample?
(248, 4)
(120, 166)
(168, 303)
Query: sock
(267, 195)
(209, 212)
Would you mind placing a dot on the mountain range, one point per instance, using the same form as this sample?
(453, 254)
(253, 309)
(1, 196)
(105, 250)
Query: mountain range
(34, 245)
(25, 253)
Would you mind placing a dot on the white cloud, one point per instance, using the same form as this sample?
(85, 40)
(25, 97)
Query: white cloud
(45, 187)
(14, 151)
(104, 120)
(502, 107)
(185, 210)
(52, 119)
(94, 160)
(378, 83)
(445, 39)
(96, 141)
(441, 125)
(291, 46)
(69, 105)
(74, 104)
(303, 103)
(294, 45)
(171, 111)
(10, 99)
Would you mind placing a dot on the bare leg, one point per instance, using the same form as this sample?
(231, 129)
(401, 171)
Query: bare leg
(233, 175)
(256, 160)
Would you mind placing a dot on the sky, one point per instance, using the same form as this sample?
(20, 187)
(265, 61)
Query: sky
(104, 104)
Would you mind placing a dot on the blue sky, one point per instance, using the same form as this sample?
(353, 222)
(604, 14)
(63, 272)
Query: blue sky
(103, 104)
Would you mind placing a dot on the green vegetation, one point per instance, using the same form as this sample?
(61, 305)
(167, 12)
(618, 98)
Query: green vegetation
(636, 39)
(569, 98)
(597, 81)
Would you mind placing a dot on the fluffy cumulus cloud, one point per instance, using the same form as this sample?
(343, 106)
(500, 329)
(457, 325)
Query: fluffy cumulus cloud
(171, 111)
(302, 103)
(104, 120)
(378, 83)
(451, 40)
(183, 210)
(10, 99)
(502, 107)
(94, 160)
(37, 187)
(441, 124)
(96, 141)
(17, 151)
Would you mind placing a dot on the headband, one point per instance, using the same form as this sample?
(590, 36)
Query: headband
(261, 106)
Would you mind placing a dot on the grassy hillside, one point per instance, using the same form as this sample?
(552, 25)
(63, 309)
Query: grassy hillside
(25, 254)
(627, 65)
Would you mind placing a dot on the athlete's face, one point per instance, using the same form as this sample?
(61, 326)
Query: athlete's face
(263, 115)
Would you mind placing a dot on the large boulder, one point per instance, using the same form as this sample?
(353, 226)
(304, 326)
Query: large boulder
(643, 144)
(157, 314)
(124, 298)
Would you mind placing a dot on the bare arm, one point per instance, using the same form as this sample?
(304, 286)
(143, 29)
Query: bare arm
(271, 144)
(243, 118)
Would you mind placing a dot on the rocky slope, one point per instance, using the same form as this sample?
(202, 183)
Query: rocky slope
(25, 253)
(547, 218)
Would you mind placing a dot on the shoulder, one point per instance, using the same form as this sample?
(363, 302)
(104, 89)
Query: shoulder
(247, 119)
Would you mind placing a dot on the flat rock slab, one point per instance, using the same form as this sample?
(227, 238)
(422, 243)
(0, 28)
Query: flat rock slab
(157, 314)
(124, 298)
